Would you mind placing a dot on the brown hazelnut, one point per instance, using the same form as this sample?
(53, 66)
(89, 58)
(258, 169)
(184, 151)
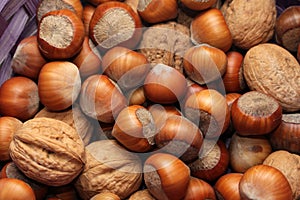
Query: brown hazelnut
(212, 162)
(115, 23)
(287, 28)
(288, 164)
(101, 98)
(46, 6)
(60, 34)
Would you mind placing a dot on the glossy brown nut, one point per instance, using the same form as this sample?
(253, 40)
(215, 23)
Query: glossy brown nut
(255, 113)
(60, 34)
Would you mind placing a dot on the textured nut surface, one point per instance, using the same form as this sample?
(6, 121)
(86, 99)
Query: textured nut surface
(166, 43)
(250, 22)
(109, 168)
(75, 118)
(142, 195)
(48, 150)
(271, 69)
(289, 165)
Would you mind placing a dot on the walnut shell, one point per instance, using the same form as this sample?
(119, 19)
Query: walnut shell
(271, 69)
(166, 43)
(250, 22)
(289, 165)
(48, 151)
(75, 118)
(109, 168)
(142, 195)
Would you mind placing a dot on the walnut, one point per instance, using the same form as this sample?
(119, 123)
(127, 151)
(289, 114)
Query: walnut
(166, 43)
(142, 195)
(271, 69)
(109, 168)
(75, 118)
(289, 165)
(48, 151)
(250, 22)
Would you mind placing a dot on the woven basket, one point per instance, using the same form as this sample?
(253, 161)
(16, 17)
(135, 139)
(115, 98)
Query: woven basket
(17, 21)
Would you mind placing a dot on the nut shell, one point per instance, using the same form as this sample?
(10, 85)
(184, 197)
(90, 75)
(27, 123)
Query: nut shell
(204, 63)
(60, 34)
(210, 27)
(208, 109)
(264, 182)
(115, 24)
(161, 175)
(227, 186)
(28, 60)
(101, 98)
(10, 170)
(46, 6)
(255, 113)
(109, 168)
(271, 69)
(250, 22)
(19, 98)
(287, 29)
(135, 128)
(286, 135)
(12, 188)
(212, 162)
(156, 11)
(48, 150)
(8, 127)
(142, 194)
(180, 137)
(75, 118)
(59, 85)
(164, 84)
(288, 164)
(166, 43)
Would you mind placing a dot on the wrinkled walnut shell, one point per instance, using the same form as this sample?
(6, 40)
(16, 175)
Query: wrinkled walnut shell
(48, 151)
(75, 118)
(289, 165)
(166, 43)
(109, 168)
(250, 22)
(142, 194)
(271, 69)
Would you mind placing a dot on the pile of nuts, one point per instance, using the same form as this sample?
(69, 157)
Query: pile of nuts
(154, 99)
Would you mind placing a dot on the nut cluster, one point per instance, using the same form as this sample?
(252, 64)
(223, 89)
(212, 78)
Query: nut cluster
(126, 100)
